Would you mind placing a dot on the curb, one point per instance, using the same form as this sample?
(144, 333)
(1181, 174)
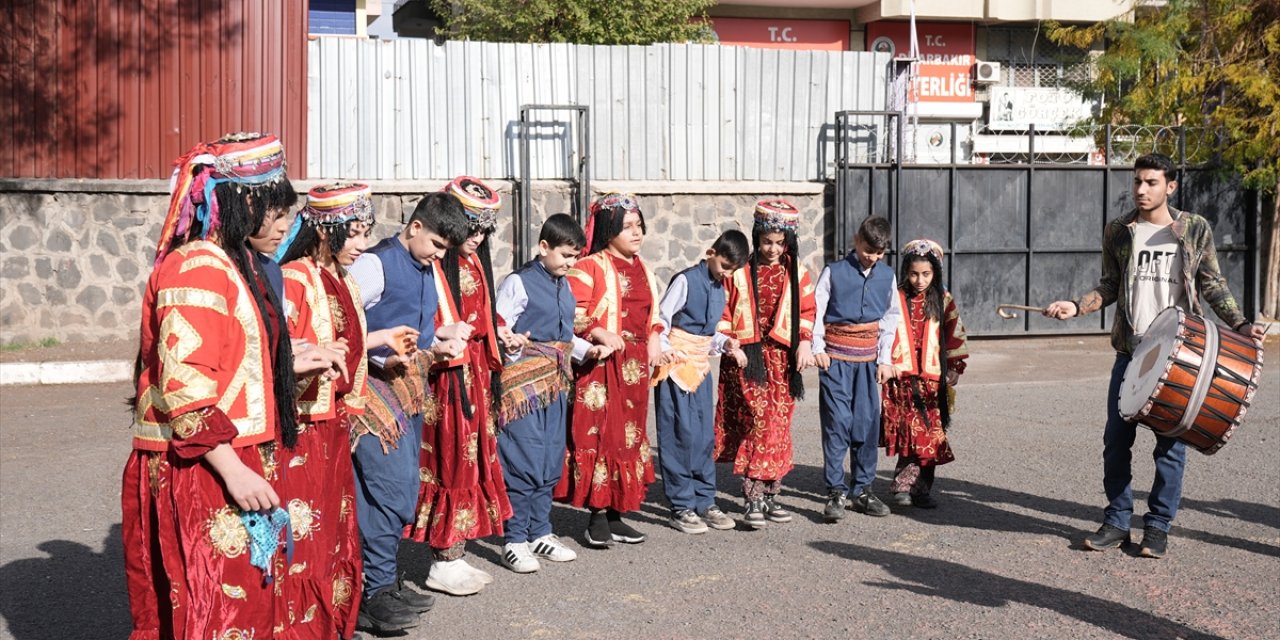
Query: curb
(91, 371)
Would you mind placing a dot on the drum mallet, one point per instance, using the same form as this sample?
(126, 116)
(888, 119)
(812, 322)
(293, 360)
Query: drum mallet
(1002, 310)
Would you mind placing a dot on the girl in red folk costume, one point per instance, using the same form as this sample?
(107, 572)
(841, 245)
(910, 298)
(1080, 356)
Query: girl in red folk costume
(929, 354)
(608, 469)
(770, 310)
(215, 395)
(322, 307)
(463, 495)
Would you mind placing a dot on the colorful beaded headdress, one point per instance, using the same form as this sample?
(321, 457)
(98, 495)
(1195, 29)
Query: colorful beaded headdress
(607, 203)
(331, 205)
(479, 201)
(248, 160)
(777, 215)
(923, 247)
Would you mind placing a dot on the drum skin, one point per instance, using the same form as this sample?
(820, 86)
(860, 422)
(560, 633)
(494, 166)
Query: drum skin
(1236, 368)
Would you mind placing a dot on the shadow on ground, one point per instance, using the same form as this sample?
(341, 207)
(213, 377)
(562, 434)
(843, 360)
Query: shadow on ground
(72, 593)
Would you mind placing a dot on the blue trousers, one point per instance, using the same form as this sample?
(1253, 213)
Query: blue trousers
(1170, 456)
(849, 410)
(386, 496)
(686, 444)
(532, 453)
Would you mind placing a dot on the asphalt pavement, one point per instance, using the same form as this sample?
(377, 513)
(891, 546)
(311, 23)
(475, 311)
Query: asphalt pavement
(1000, 558)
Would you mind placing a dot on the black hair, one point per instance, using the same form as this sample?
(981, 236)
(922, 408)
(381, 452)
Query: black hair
(449, 264)
(732, 246)
(307, 244)
(1159, 162)
(561, 230)
(442, 214)
(241, 215)
(755, 370)
(876, 232)
(608, 224)
(934, 300)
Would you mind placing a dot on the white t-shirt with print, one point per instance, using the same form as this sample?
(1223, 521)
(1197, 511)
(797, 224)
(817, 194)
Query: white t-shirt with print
(1156, 266)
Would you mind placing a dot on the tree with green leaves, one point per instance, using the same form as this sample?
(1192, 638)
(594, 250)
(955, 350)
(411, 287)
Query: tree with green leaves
(575, 21)
(1212, 65)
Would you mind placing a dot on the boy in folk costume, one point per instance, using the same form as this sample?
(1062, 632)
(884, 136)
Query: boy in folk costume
(690, 310)
(929, 353)
(858, 316)
(397, 288)
(538, 305)
(770, 312)
(214, 402)
(608, 469)
(463, 496)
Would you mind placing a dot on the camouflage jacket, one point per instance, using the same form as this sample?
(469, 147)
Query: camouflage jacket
(1199, 274)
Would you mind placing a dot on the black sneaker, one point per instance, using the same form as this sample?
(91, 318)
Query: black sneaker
(924, 501)
(774, 512)
(414, 600)
(754, 517)
(384, 613)
(598, 534)
(868, 503)
(902, 499)
(836, 503)
(1107, 537)
(621, 531)
(1154, 543)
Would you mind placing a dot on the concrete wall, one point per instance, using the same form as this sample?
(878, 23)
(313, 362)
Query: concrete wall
(75, 255)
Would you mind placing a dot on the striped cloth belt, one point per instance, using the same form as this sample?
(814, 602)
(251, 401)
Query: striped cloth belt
(392, 396)
(853, 342)
(536, 379)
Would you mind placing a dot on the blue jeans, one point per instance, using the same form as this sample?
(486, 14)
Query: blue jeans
(1170, 455)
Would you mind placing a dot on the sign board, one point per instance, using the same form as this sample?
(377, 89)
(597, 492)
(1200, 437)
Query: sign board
(945, 57)
(1049, 109)
(770, 33)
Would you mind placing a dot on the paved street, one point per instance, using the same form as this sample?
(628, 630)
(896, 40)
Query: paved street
(1000, 558)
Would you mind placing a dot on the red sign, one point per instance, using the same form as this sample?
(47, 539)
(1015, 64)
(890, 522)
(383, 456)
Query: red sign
(945, 55)
(768, 33)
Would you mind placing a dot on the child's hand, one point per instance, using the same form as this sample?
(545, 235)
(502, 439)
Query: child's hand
(598, 352)
(250, 491)
(673, 356)
(402, 339)
(655, 351)
(448, 349)
(511, 341)
(822, 361)
(459, 330)
(732, 344)
(885, 373)
(607, 338)
(952, 378)
(740, 357)
(804, 356)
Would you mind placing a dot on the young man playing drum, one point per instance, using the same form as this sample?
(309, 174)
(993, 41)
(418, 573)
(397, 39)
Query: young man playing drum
(1152, 258)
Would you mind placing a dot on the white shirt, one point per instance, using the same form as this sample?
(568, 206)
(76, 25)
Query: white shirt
(1156, 267)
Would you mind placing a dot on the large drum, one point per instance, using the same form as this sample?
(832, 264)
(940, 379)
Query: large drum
(1191, 379)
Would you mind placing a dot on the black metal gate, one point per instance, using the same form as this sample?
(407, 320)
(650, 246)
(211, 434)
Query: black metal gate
(1029, 233)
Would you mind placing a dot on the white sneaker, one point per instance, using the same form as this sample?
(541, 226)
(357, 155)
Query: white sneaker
(453, 578)
(481, 574)
(517, 557)
(549, 547)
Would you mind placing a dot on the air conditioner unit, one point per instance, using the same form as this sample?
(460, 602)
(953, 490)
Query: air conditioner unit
(986, 72)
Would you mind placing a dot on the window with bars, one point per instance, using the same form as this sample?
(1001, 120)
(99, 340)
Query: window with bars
(1029, 59)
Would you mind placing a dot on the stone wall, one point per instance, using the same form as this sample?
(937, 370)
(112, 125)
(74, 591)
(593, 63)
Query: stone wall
(75, 255)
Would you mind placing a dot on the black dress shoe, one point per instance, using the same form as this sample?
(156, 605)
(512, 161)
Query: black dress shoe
(384, 613)
(1107, 537)
(415, 601)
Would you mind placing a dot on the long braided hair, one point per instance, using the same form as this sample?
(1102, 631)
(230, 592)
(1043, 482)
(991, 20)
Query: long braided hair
(934, 309)
(755, 370)
(451, 265)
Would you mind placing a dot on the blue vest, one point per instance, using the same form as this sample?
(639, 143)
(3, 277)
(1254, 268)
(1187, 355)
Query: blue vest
(274, 275)
(549, 314)
(704, 304)
(408, 293)
(855, 298)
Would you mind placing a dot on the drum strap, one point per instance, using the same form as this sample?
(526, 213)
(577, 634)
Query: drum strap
(1204, 378)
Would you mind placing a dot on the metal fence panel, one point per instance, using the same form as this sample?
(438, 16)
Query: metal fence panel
(411, 109)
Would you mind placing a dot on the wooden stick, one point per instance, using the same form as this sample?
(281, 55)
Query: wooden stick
(1002, 310)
